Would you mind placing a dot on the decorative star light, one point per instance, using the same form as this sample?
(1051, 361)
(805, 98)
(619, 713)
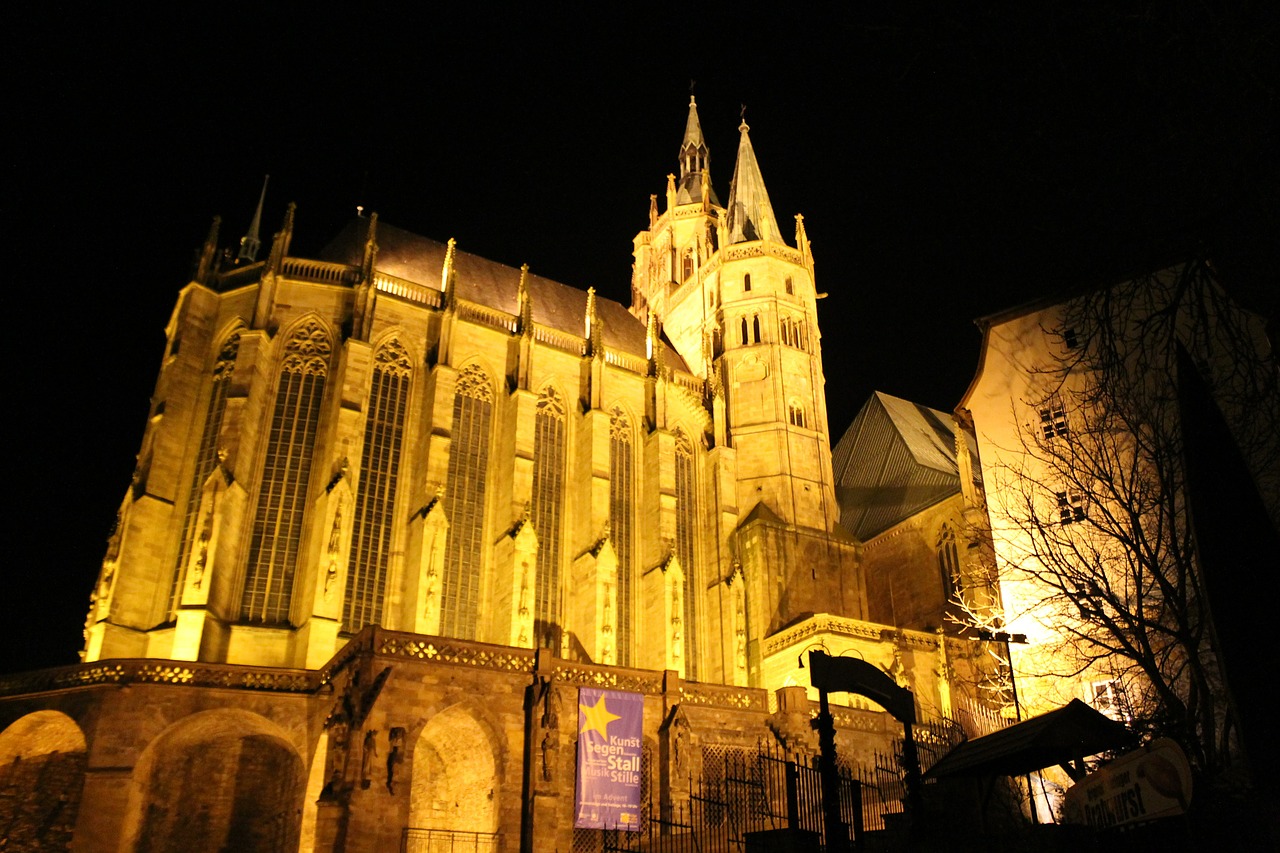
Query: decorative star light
(598, 718)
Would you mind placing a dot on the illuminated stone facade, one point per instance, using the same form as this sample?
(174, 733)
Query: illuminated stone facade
(1076, 404)
(395, 503)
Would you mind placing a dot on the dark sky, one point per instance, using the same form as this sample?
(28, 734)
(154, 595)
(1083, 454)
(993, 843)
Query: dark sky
(948, 164)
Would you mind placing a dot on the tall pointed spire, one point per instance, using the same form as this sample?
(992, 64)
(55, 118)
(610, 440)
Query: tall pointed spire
(750, 213)
(208, 252)
(447, 280)
(249, 243)
(695, 158)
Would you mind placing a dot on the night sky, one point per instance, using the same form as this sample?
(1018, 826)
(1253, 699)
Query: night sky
(948, 165)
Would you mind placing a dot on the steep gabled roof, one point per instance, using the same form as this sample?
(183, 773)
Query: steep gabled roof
(896, 459)
(494, 285)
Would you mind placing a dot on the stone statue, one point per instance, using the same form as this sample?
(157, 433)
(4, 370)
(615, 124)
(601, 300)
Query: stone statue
(368, 756)
(394, 757)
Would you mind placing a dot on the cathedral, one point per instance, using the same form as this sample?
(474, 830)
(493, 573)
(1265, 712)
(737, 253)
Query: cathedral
(396, 504)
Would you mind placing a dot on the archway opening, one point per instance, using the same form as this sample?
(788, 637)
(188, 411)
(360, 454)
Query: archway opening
(42, 766)
(218, 780)
(454, 790)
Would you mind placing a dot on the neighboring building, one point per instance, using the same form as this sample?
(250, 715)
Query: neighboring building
(394, 504)
(910, 490)
(1080, 407)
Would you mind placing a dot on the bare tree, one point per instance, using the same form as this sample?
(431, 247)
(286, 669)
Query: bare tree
(1097, 513)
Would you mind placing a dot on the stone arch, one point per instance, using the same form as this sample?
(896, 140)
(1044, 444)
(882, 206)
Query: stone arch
(316, 782)
(454, 788)
(42, 762)
(216, 780)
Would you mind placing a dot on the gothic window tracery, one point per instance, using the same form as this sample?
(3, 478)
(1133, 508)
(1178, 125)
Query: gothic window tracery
(282, 494)
(686, 551)
(206, 461)
(546, 513)
(621, 523)
(949, 563)
(465, 504)
(370, 556)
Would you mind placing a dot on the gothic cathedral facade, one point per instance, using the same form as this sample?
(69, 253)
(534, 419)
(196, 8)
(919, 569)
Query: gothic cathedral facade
(401, 434)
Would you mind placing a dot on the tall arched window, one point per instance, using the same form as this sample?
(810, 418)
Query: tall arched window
(746, 282)
(206, 459)
(686, 552)
(755, 328)
(370, 558)
(745, 338)
(465, 504)
(949, 563)
(282, 494)
(546, 513)
(621, 513)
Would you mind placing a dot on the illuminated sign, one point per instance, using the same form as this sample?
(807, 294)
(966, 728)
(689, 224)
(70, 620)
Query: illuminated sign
(610, 738)
(1150, 783)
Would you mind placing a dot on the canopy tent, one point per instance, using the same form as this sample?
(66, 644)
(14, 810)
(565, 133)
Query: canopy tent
(1058, 737)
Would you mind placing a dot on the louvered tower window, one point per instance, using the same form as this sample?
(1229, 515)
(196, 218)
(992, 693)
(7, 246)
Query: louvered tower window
(686, 552)
(621, 511)
(370, 558)
(206, 460)
(282, 495)
(464, 505)
(546, 514)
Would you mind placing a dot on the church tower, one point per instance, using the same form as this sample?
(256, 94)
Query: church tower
(739, 305)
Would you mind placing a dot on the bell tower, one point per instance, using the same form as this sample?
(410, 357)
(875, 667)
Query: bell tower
(739, 305)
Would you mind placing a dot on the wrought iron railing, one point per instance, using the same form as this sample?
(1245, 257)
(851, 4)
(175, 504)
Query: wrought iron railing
(418, 840)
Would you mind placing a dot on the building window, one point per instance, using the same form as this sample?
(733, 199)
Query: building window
(371, 531)
(796, 415)
(745, 337)
(546, 514)
(1070, 338)
(949, 563)
(1071, 506)
(790, 287)
(206, 461)
(1053, 417)
(687, 269)
(465, 505)
(1107, 698)
(755, 328)
(621, 526)
(746, 282)
(686, 552)
(793, 332)
(282, 494)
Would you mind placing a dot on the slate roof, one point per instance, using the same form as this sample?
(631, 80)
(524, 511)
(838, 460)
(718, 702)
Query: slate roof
(896, 459)
(562, 307)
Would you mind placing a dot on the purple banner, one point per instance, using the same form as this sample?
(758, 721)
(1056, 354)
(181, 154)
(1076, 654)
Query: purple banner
(610, 734)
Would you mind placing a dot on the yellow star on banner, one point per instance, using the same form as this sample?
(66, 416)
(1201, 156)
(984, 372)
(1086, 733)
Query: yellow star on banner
(598, 718)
